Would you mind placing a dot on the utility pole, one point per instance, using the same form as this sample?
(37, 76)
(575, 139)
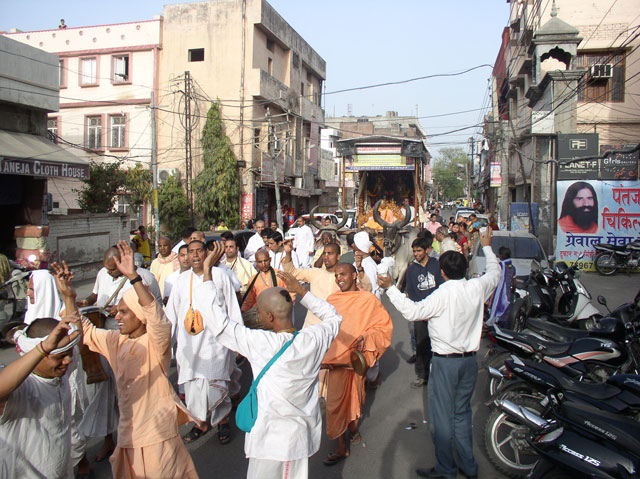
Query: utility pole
(187, 142)
(271, 141)
(469, 170)
(154, 171)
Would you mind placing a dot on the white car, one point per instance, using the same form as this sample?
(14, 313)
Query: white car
(525, 248)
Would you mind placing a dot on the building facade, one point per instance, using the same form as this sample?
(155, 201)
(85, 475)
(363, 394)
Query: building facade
(564, 67)
(268, 81)
(106, 75)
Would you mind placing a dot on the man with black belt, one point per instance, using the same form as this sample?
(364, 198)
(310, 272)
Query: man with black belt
(454, 313)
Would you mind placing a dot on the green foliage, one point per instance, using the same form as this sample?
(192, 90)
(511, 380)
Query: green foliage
(448, 171)
(139, 185)
(173, 206)
(99, 193)
(216, 189)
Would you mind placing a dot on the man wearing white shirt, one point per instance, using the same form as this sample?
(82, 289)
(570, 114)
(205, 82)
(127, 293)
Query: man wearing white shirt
(455, 314)
(255, 242)
(242, 268)
(205, 366)
(288, 428)
(183, 260)
(185, 239)
(304, 243)
(361, 246)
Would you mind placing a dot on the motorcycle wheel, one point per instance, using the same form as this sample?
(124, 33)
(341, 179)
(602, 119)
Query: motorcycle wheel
(518, 316)
(505, 441)
(606, 264)
(547, 470)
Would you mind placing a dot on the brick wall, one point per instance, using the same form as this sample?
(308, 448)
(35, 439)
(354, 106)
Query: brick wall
(82, 239)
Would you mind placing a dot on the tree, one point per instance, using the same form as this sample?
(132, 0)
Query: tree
(217, 187)
(99, 193)
(173, 206)
(139, 185)
(448, 171)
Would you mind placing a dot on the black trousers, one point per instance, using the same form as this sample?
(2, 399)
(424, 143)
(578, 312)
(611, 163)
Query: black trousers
(423, 349)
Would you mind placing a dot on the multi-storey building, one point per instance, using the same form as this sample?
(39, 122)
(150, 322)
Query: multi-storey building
(564, 67)
(106, 76)
(244, 54)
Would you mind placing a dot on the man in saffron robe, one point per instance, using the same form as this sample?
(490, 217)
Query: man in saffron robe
(165, 264)
(367, 327)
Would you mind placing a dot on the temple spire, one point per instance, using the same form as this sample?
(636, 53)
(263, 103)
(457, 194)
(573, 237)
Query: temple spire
(554, 9)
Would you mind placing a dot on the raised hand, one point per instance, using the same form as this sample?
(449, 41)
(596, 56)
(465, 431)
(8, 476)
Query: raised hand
(214, 256)
(293, 285)
(288, 246)
(485, 239)
(64, 277)
(126, 264)
(358, 259)
(384, 281)
(60, 336)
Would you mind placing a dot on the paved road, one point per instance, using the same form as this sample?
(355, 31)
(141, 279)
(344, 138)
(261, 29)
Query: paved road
(395, 438)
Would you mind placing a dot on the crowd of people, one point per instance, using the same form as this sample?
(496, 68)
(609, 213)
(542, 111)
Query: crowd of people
(212, 307)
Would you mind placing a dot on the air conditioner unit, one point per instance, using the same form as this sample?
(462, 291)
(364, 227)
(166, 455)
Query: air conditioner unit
(165, 173)
(601, 70)
(298, 183)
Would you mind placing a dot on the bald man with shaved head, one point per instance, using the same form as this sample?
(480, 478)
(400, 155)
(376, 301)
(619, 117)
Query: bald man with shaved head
(287, 430)
(165, 263)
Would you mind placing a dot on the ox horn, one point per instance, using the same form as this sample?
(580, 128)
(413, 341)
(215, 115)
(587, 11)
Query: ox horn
(344, 219)
(378, 218)
(313, 219)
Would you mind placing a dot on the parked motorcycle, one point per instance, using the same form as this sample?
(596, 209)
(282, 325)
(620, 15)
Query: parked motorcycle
(591, 358)
(505, 440)
(578, 440)
(610, 258)
(13, 299)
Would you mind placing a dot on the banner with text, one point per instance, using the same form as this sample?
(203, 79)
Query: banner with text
(592, 212)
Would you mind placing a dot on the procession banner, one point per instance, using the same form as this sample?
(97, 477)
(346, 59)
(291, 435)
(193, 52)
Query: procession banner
(614, 217)
(377, 162)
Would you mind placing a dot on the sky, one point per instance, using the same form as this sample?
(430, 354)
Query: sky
(364, 42)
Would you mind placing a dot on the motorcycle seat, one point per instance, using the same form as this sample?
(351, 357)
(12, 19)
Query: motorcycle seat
(611, 247)
(555, 332)
(618, 429)
(600, 391)
(548, 348)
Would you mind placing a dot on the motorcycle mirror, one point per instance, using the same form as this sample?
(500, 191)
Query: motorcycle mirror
(551, 258)
(603, 301)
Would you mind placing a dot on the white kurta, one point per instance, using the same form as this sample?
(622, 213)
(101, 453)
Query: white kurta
(370, 269)
(106, 285)
(35, 430)
(176, 248)
(235, 282)
(201, 356)
(243, 270)
(305, 245)
(254, 244)
(276, 260)
(170, 281)
(289, 423)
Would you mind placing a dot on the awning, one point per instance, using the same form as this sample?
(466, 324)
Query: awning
(33, 155)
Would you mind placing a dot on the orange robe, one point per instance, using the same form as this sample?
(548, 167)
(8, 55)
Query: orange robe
(568, 226)
(262, 283)
(362, 315)
(149, 444)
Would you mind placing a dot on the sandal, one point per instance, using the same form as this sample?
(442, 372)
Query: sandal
(224, 433)
(333, 459)
(194, 434)
(355, 439)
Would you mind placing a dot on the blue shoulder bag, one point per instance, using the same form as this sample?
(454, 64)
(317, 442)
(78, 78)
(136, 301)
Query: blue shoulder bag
(247, 411)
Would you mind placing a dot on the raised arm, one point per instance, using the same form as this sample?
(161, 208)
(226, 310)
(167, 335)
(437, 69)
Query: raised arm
(127, 267)
(64, 282)
(412, 311)
(489, 281)
(287, 264)
(16, 372)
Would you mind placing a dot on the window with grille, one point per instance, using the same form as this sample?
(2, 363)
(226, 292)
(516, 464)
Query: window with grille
(94, 132)
(52, 129)
(62, 78)
(601, 88)
(88, 71)
(118, 124)
(120, 68)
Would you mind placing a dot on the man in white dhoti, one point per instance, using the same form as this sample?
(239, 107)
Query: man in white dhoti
(289, 424)
(304, 243)
(255, 242)
(35, 399)
(100, 417)
(204, 365)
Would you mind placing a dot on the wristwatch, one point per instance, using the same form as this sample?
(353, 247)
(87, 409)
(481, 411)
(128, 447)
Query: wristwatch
(135, 280)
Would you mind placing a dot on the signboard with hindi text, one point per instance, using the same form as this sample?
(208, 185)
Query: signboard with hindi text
(613, 217)
(375, 162)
